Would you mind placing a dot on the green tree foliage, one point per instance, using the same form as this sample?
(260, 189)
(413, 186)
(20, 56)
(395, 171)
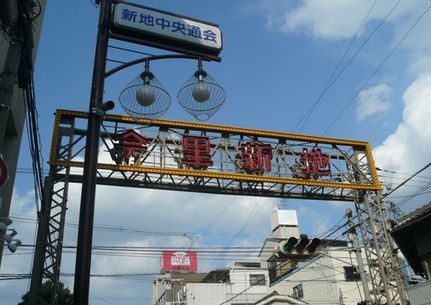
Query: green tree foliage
(65, 297)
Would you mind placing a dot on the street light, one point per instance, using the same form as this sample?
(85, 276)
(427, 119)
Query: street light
(201, 91)
(201, 96)
(3, 228)
(145, 96)
(12, 247)
(9, 238)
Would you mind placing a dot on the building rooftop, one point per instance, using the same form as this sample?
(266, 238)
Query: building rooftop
(276, 298)
(190, 277)
(217, 276)
(413, 217)
(412, 235)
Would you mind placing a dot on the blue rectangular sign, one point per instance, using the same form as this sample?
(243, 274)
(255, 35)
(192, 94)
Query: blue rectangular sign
(171, 28)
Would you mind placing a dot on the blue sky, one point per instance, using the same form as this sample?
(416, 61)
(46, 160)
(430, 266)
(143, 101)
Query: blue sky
(277, 57)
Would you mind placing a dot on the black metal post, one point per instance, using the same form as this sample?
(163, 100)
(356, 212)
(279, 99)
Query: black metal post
(86, 216)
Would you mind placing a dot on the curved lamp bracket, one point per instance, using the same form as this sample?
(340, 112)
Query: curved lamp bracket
(151, 58)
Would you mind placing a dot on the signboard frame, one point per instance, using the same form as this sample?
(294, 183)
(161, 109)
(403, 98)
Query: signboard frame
(212, 180)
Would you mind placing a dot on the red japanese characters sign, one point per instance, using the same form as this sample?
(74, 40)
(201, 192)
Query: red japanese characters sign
(128, 144)
(253, 157)
(256, 157)
(179, 261)
(196, 157)
(197, 152)
(316, 164)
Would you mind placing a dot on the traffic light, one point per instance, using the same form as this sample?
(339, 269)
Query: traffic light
(302, 243)
(287, 246)
(312, 245)
(296, 248)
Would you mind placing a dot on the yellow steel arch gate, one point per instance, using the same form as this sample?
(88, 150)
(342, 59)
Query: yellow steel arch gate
(185, 156)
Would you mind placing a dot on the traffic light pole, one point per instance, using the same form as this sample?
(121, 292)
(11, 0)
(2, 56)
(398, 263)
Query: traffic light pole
(88, 194)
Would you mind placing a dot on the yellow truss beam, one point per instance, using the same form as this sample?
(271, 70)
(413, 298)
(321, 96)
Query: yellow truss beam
(220, 128)
(362, 145)
(220, 175)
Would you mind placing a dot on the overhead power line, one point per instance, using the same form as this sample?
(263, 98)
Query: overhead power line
(253, 213)
(410, 195)
(423, 190)
(353, 98)
(334, 76)
(130, 50)
(33, 134)
(134, 231)
(414, 182)
(400, 173)
(213, 222)
(407, 180)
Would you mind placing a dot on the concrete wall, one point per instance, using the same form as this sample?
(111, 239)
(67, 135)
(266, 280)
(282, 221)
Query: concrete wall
(240, 286)
(10, 146)
(205, 293)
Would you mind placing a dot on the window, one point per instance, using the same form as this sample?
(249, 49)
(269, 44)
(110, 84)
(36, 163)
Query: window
(257, 279)
(298, 292)
(351, 273)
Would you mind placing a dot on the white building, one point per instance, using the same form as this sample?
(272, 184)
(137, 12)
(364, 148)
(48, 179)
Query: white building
(244, 283)
(330, 276)
(413, 237)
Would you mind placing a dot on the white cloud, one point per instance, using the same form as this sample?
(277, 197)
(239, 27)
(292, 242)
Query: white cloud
(340, 19)
(373, 100)
(412, 14)
(324, 20)
(407, 149)
(421, 63)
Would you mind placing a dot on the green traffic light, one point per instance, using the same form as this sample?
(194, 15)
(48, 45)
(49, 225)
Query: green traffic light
(290, 244)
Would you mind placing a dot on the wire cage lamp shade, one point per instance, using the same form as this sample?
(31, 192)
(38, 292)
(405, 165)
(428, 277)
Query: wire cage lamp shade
(145, 97)
(201, 95)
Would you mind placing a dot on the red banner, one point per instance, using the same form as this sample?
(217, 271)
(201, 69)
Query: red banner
(179, 261)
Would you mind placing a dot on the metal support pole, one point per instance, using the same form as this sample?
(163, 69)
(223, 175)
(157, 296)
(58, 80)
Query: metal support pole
(383, 265)
(86, 216)
(353, 239)
(7, 85)
(395, 271)
(41, 240)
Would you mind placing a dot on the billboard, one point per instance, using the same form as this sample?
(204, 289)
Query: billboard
(179, 261)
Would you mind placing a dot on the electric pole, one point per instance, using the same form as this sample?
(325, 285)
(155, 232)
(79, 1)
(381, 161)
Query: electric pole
(353, 239)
